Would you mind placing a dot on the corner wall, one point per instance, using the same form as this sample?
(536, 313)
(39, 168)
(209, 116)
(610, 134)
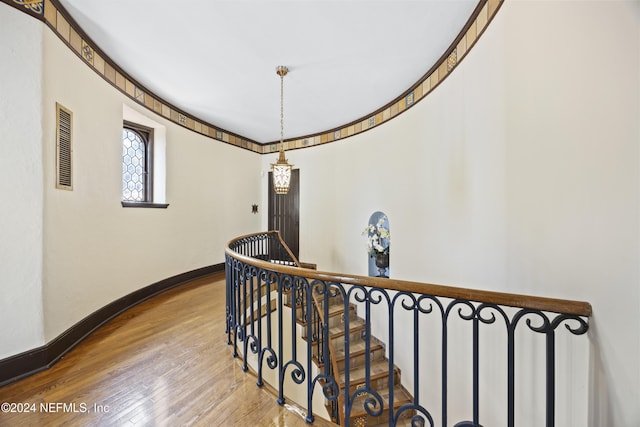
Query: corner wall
(21, 187)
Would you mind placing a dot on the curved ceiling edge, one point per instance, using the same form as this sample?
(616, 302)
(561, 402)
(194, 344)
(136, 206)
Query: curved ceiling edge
(53, 14)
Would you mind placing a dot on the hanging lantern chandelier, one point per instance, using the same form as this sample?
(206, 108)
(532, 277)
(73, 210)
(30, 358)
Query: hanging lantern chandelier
(281, 169)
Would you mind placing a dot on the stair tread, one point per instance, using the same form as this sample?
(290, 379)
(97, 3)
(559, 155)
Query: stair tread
(336, 309)
(355, 349)
(378, 368)
(400, 397)
(354, 325)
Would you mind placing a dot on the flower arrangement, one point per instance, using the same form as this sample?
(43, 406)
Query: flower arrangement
(377, 238)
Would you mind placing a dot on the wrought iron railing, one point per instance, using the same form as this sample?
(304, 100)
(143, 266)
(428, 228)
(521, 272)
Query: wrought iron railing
(359, 332)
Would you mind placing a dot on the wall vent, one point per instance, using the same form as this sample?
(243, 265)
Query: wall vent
(64, 148)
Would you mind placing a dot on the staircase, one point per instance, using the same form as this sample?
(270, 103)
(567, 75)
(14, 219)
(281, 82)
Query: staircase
(358, 355)
(257, 321)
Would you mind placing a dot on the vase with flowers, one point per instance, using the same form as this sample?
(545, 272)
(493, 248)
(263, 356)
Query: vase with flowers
(378, 244)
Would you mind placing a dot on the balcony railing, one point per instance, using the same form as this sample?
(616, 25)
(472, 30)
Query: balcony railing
(390, 352)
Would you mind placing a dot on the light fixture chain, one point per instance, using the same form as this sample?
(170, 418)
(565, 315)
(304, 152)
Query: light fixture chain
(282, 111)
(281, 169)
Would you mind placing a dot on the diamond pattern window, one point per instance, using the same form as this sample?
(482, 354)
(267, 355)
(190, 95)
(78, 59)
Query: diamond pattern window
(136, 163)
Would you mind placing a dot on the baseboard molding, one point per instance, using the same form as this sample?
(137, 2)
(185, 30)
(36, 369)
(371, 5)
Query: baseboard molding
(16, 367)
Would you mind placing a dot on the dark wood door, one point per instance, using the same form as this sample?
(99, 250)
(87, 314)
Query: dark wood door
(284, 212)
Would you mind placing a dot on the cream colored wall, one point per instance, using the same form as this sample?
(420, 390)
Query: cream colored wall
(519, 173)
(96, 251)
(20, 182)
(574, 186)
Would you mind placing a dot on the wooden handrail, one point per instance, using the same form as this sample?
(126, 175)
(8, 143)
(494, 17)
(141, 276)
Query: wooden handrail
(293, 257)
(554, 305)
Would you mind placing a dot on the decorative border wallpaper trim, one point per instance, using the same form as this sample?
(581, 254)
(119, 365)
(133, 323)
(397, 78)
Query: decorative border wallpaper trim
(53, 14)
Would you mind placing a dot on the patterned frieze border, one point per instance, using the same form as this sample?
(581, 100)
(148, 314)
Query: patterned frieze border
(57, 18)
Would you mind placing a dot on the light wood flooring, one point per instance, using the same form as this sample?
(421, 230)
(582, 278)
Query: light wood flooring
(163, 362)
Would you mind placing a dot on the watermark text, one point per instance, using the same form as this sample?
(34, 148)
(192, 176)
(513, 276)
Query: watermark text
(52, 407)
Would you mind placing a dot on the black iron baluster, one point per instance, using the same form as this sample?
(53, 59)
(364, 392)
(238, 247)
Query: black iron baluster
(310, 380)
(237, 326)
(289, 285)
(280, 343)
(445, 329)
(243, 317)
(476, 371)
(582, 328)
(347, 359)
(272, 361)
(551, 377)
(367, 342)
(416, 355)
(329, 373)
(391, 347)
(259, 319)
(227, 278)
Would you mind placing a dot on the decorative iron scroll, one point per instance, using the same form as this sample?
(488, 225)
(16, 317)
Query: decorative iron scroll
(259, 294)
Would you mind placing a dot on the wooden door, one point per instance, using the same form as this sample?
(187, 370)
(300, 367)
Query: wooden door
(284, 212)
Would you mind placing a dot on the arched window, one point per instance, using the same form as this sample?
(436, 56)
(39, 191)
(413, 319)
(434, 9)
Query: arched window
(136, 163)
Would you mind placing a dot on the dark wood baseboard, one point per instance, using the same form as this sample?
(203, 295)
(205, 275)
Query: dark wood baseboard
(16, 367)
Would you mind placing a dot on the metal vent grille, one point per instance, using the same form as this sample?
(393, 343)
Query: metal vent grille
(64, 149)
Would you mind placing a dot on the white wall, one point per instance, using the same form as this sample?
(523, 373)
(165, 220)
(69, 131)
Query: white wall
(519, 174)
(574, 181)
(20, 182)
(96, 251)
(65, 254)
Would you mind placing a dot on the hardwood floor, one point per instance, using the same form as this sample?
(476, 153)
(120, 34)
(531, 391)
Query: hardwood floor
(163, 362)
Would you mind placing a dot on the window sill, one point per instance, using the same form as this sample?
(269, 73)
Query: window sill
(144, 205)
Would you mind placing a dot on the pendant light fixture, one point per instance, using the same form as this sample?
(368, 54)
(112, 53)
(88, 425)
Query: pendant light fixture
(281, 169)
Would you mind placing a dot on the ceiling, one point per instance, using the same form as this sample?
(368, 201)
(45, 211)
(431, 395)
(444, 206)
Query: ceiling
(216, 59)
